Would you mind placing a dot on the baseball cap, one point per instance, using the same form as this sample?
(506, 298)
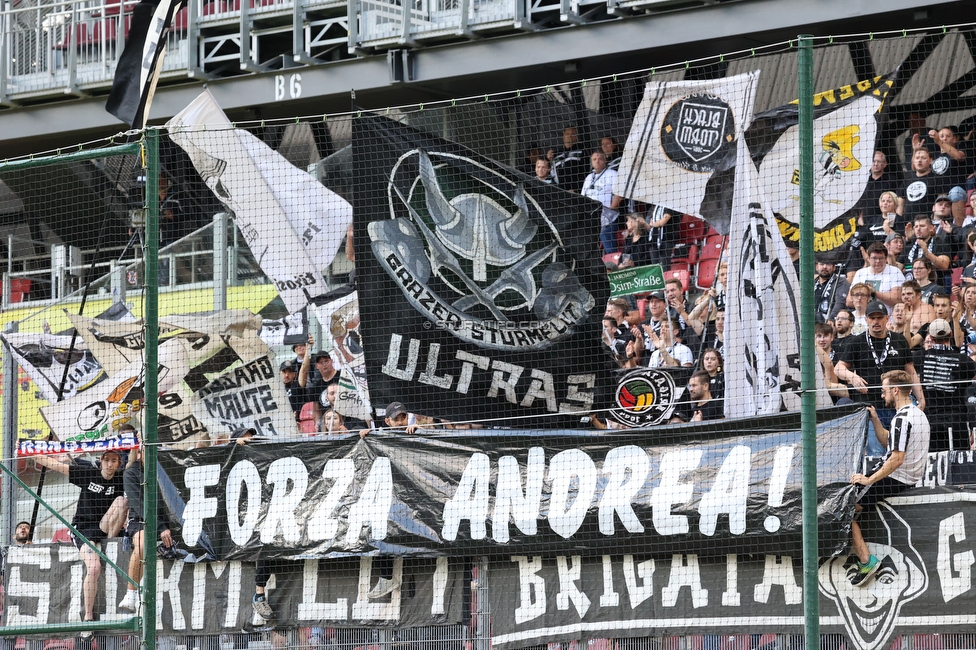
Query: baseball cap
(112, 451)
(320, 355)
(893, 236)
(393, 409)
(943, 197)
(876, 307)
(287, 365)
(656, 295)
(940, 329)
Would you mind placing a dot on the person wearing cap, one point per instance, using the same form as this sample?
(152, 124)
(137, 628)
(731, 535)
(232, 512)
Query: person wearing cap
(830, 291)
(657, 313)
(884, 279)
(866, 357)
(945, 374)
(100, 513)
(296, 394)
(895, 244)
(324, 373)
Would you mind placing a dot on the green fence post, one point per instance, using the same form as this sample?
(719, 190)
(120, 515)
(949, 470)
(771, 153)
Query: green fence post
(150, 435)
(808, 374)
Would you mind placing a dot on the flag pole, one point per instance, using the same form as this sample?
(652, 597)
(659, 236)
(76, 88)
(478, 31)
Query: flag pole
(808, 374)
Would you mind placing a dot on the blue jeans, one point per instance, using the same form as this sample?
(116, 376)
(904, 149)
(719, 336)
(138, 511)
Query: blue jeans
(874, 446)
(608, 238)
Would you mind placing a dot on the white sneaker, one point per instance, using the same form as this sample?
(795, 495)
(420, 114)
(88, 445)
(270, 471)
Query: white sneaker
(262, 608)
(131, 601)
(384, 587)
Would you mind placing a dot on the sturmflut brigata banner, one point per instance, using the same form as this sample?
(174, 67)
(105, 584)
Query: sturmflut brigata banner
(481, 289)
(706, 489)
(43, 587)
(924, 586)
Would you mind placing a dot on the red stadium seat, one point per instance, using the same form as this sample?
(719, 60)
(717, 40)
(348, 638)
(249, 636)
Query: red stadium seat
(691, 229)
(712, 248)
(687, 253)
(957, 276)
(306, 419)
(683, 276)
(706, 273)
(680, 266)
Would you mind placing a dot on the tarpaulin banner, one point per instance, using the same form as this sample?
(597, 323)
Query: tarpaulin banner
(925, 540)
(44, 357)
(215, 377)
(705, 489)
(481, 289)
(43, 586)
(289, 330)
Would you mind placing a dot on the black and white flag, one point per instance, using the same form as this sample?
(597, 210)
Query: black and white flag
(481, 290)
(139, 66)
(291, 222)
(683, 133)
(845, 130)
(762, 321)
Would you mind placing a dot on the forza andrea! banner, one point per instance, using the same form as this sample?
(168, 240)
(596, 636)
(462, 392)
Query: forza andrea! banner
(704, 489)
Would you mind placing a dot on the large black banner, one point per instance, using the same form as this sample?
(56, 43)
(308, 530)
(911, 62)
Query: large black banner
(44, 585)
(481, 289)
(925, 539)
(710, 489)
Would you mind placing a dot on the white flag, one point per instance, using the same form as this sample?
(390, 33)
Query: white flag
(341, 318)
(291, 222)
(44, 357)
(762, 325)
(844, 143)
(683, 132)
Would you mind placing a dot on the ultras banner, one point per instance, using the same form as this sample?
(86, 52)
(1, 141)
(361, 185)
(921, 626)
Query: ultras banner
(924, 539)
(43, 587)
(707, 489)
(481, 289)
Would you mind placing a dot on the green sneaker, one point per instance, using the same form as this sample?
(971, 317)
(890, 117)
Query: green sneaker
(865, 571)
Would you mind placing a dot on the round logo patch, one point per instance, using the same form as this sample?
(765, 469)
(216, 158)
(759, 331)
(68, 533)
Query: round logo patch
(92, 416)
(644, 397)
(698, 132)
(941, 165)
(916, 191)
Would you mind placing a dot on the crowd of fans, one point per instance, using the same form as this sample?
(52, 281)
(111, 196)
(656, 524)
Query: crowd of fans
(903, 298)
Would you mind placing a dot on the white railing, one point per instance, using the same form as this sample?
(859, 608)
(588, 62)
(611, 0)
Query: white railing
(72, 46)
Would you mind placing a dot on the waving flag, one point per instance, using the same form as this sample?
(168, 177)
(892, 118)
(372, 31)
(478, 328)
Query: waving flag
(139, 66)
(683, 133)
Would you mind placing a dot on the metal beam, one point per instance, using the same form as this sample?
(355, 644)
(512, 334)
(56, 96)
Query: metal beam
(489, 65)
